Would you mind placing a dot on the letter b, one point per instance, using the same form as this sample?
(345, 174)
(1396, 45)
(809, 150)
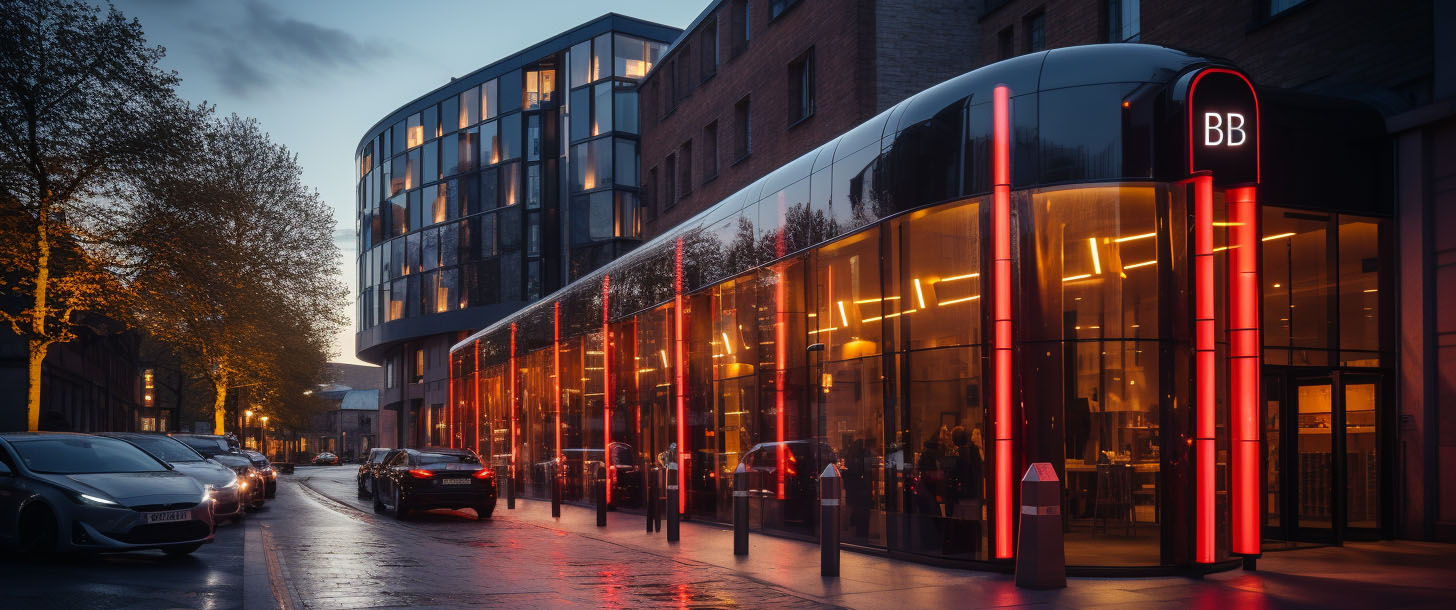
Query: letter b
(1212, 129)
(1235, 129)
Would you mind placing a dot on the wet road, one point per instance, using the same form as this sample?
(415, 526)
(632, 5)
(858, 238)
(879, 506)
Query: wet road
(211, 578)
(335, 553)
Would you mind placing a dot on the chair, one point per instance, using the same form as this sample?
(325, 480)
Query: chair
(1114, 498)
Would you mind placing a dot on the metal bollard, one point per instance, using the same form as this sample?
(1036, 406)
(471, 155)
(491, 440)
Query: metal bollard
(555, 482)
(601, 489)
(829, 491)
(1040, 559)
(673, 515)
(649, 483)
(511, 487)
(740, 510)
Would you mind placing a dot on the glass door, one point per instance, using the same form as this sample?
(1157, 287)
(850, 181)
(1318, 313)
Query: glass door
(1359, 397)
(1313, 448)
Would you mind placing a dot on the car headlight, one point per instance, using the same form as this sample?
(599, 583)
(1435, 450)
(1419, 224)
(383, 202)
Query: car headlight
(242, 485)
(94, 500)
(206, 494)
(231, 484)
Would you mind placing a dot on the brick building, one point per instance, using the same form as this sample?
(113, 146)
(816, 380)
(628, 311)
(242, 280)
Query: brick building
(752, 84)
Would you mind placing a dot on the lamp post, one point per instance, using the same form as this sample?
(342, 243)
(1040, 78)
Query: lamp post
(263, 436)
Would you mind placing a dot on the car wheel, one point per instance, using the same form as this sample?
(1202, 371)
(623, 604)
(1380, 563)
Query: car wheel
(179, 551)
(400, 510)
(359, 489)
(36, 534)
(378, 505)
(483, 512)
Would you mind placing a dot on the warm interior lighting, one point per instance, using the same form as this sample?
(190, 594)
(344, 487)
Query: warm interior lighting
(1096, 260)
(1142, 264)
(727, 345)
(1368, 290)
(1279, 236)
(635, 68)
(1134, 237)
(919, 294)
(959, 277)
(843, 319)
(960, 300)
(1074, 278)
(1126, 104)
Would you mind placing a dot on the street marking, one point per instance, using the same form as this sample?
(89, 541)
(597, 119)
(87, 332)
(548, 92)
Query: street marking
(276, 580)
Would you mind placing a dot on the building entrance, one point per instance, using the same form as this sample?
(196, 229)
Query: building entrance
(1322, 455)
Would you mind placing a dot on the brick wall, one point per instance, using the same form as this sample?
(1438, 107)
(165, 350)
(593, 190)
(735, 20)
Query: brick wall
(839, 31)
(1378, 52)
(920, 43)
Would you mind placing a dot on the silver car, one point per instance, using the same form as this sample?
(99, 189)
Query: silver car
(222, 481)
(76, 492)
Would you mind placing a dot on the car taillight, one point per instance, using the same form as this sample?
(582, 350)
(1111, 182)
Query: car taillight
(484, 473)
(420, 473)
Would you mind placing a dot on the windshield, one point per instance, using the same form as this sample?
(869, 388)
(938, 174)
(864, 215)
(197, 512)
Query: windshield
(206, 446)
(378, 457)
(258, 460)
(83, 455)
(425, 459)
(168, 449)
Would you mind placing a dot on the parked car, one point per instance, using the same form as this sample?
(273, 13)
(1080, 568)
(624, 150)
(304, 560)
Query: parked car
(265, 468)
(365, 479)
(250, 482)
(208, 444)
(77, 492)
(326, 459)
(419, 479)
(219, 479)
(803, 460)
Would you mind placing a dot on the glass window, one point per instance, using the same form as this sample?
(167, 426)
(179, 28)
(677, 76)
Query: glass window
(487, 238)
(431, 165)
(412, 253)
(446, 288)
(632, 58)
(449, 155)
(1279, 6)
(533, 186)
(449, 110)
(440, 203)
(581, 114)
(1124, 22)
(83, 455)
(430, 257)
(469, 107)
(510, 137)
(624, 110)
(1359, 283)
(417, 215)
(489, 143)
(414, 130)
(533, 234)
(1297, 282)
(601, 57)
(396, 300)
(508, 93)
(626, 162)
(533, 137)
(413, 170)
(581, 64)
(489, 189)
(801, 87)
(431, 121)
(601, 109)
(1035, 26)
(450, 244)
(397, 139)
(591, 164)
(468, 155)
(510, 184)
(397, 175)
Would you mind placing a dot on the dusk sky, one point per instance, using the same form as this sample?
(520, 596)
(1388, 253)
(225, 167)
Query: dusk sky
(318, 74)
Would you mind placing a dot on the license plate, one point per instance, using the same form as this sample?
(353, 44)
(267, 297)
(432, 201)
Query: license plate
(169, 516)
(454, 481)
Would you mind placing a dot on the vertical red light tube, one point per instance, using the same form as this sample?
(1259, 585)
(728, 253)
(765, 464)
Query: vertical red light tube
(556, 371)
(475, 394)
(450, 401)
(781, 347)
(680, 373)
(1244, 364)
(1001, 316)
(511, 401)
(1205, 364)
(606, 387)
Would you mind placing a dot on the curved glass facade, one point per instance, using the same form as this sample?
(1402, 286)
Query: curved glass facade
(847, 309)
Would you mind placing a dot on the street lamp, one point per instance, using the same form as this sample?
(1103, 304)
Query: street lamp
(263, 432)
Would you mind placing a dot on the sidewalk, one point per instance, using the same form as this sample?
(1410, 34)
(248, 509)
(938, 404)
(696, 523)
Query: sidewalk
(1385, 575)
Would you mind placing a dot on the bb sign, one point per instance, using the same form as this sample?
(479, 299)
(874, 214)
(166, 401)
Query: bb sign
(1223, 127)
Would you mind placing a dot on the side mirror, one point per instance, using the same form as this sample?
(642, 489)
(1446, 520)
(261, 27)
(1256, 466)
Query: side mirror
(5, 470)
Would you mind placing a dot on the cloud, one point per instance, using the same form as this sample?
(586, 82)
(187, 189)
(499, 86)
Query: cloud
(250, 51)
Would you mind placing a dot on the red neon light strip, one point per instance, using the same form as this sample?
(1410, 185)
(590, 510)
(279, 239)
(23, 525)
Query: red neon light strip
(680, 371)
(606, 387)
(475, 394)
(511, 401)
(450, 403)
(1244, 362)
(1204, 367)
(781, 347)
(1001, 316)
(556, 371)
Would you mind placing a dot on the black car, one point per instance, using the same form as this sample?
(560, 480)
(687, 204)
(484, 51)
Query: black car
(266, 470)
(420, 479)
(367, 470)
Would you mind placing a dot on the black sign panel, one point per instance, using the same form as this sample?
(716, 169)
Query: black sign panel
(1223, 127)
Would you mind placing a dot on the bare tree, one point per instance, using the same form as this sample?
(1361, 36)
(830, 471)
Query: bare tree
(83, 108)
(237, 266)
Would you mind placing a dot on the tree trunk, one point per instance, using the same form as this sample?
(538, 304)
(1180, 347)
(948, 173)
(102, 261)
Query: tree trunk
(219, 397)
(37, 345)
(37, 357)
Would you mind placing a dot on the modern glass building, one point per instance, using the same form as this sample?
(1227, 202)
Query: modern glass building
(1121, 260)
(478, 197)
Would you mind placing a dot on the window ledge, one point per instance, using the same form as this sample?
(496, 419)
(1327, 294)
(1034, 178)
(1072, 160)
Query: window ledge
(1259, 22)
(741, 159)
(800, 120)
(711, 178)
